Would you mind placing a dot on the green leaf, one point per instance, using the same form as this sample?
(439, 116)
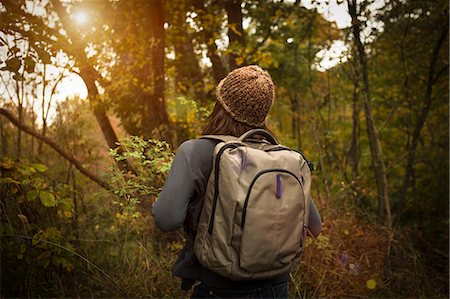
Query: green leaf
(32, 195)
(47, 199)
(26, 170)
(39, 167)
(8, 181)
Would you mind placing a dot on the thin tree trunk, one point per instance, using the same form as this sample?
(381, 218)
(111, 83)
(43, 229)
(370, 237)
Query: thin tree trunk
(219, 71)
(297, 108)
(156, 115)
(188, 71)
(296, 129)
(295, 126)
(378, 164)
(427, 101)
(236, 34)
(20, 113)
(44, 120)
(353, 153)
(3, 141)
(33, 125)
(19, 132)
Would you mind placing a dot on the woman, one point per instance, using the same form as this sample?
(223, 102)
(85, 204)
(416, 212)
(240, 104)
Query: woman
(244, 98)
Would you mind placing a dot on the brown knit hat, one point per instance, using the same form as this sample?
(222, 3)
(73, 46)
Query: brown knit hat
(247, 93)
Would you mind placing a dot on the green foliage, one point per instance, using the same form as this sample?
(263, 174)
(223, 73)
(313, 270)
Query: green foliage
(188, 115)
(151, 159)
(55, 250)
(36, 209)
(28, 182)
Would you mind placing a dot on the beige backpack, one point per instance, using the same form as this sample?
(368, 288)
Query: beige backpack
(255, 213)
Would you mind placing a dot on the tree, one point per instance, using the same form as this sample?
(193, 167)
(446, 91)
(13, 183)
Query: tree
(136, 89)
(409, 86)
(378, 163)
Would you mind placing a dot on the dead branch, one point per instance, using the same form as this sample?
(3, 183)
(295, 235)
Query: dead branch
(54, 146)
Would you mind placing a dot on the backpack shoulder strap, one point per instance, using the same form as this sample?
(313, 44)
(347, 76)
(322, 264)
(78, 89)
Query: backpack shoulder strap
(224, 138)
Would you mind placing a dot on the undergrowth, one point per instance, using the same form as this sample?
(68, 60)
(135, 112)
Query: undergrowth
(60, 241)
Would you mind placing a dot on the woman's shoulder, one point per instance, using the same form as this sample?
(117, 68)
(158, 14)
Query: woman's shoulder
(199, 153)
(198, 146)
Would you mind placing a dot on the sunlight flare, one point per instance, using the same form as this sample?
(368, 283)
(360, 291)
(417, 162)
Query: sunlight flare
(81, 18)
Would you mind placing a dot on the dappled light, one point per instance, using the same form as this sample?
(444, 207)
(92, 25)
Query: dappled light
(96, 97)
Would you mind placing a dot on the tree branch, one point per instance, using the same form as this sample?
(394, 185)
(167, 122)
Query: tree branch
(90, 75)
(56, 147)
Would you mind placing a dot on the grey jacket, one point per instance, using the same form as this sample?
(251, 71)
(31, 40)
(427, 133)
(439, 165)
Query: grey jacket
(181, 200)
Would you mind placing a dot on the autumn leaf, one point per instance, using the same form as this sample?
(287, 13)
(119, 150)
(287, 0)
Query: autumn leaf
(47, 199)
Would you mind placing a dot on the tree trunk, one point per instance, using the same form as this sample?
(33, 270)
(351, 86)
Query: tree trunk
(384, 209)
(219, 71)
(236, 34)
(188, 71)
(19, 132)
(3, 141)
(156, 117)
(296, 129)
(89, 76)
(43, 118)
(427, 101)
(353, 153)
(295, 118)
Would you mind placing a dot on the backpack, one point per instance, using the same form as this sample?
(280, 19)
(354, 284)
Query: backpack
(256, 208)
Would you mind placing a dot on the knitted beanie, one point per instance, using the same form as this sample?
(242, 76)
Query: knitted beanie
(246, 94)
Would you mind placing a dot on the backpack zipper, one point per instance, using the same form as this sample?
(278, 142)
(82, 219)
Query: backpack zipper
(247, 197)
(216, 181)
(283, 148)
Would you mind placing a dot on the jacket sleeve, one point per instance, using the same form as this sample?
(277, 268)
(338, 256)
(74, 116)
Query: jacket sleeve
(169, 211)
(315, 222)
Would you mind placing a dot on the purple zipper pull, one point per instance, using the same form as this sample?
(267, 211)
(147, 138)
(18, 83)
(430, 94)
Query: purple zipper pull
(278, 186)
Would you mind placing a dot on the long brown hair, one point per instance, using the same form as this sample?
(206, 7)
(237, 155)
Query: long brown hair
(221, 123)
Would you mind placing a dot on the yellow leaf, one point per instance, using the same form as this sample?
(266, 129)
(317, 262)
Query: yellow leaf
(371, 284)
(239, 60)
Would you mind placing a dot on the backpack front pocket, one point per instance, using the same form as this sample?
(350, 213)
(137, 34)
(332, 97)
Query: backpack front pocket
(272, 221)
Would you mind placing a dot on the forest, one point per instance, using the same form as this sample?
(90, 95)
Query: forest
(96, 96)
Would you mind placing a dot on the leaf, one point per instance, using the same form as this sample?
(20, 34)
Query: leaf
(23, 218)
(26, 170)
(7, 164)
(29, 64)
(9, 181)
(39, 167)
(47, 199)
(371, 284)
(32, 195)
(239, 60)
(13, 64)
(43, 55)
(18, 77)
